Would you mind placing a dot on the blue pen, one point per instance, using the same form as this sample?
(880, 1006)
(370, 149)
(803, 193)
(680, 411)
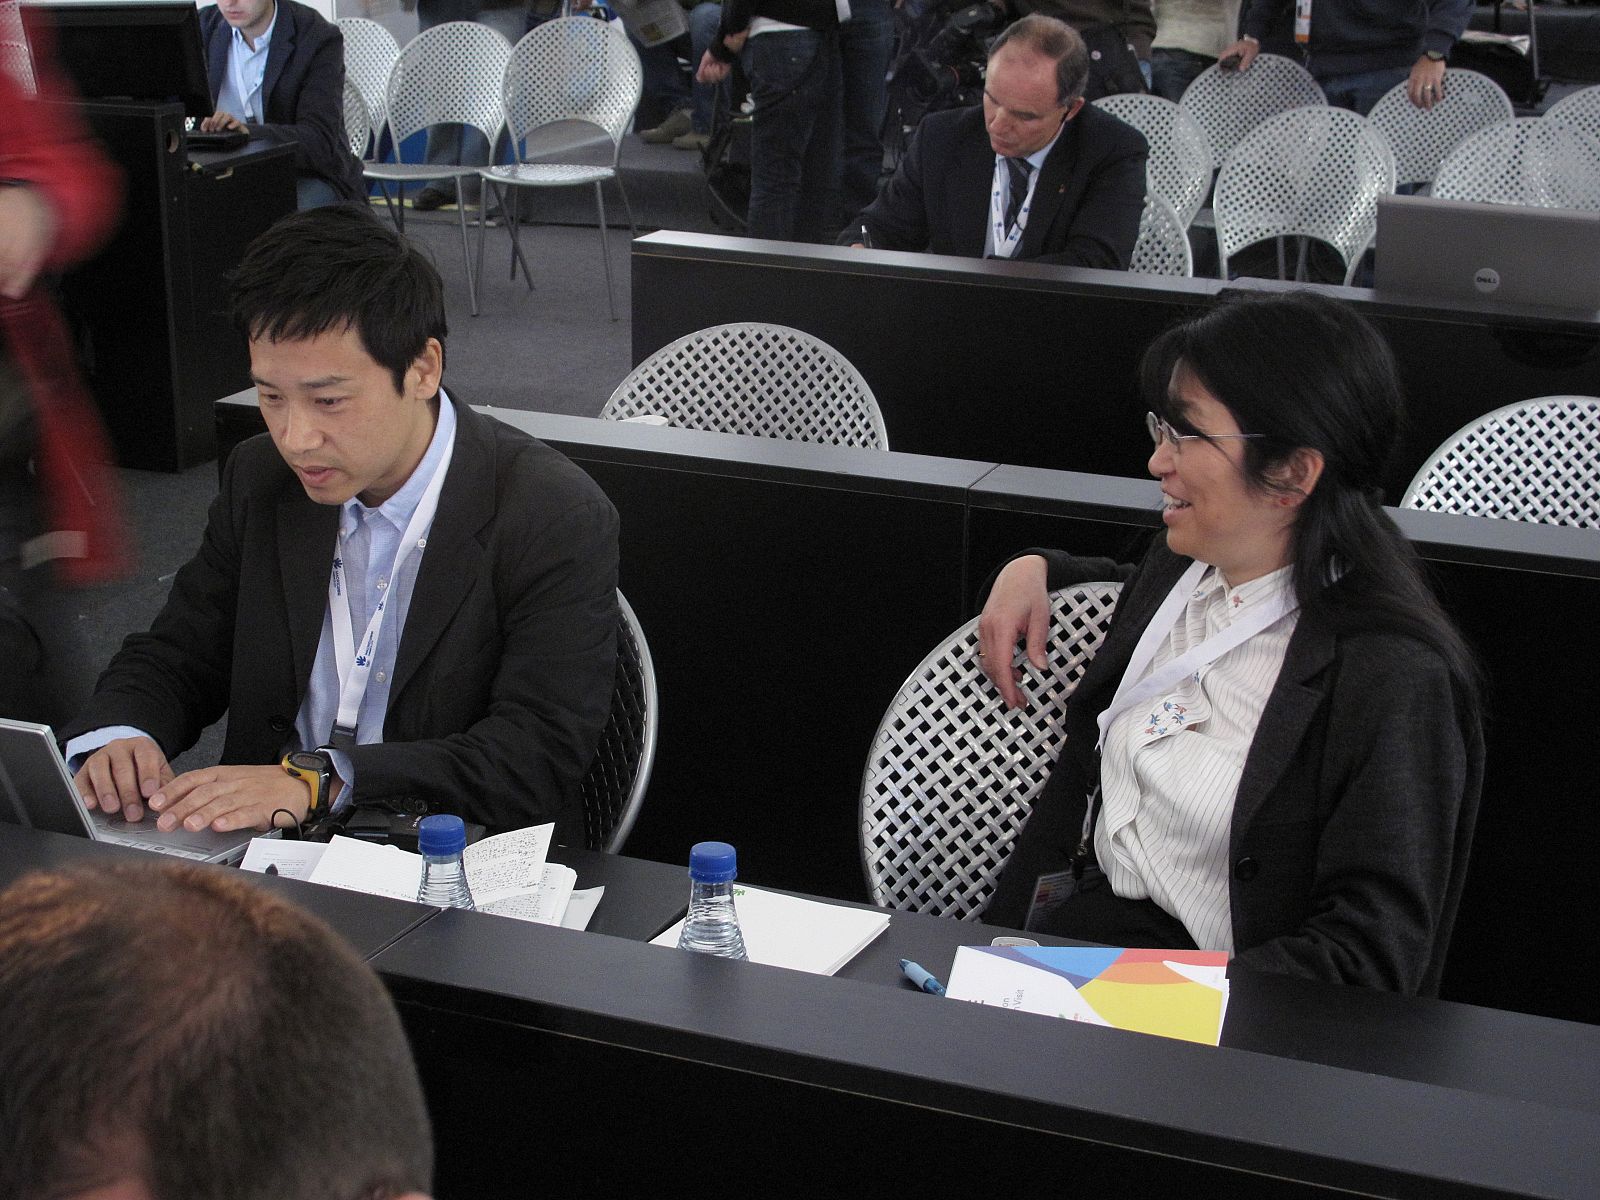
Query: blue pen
(921, 978)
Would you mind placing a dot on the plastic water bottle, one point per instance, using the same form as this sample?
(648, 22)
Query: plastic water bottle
(712, 926)
(442, 838)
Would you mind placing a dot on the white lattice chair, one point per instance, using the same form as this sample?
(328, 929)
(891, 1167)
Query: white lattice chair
(1163, 245)
(1421, 138)
(1534, 461)
(1528, 160)
(369, 54)
(952, 774)
(614, 786)
(1310, 172)
(1229, 104)
(1180, 166)
(571, 75)
(754, 379)
(357, 126)
(449, 74)
(1580, 109)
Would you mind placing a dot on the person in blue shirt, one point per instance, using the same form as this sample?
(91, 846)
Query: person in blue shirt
(278, 68)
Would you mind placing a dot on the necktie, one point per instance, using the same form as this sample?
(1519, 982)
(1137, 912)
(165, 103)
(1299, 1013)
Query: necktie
(1020, 169)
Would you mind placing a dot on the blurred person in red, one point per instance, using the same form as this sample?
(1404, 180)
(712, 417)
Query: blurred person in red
(59, 517)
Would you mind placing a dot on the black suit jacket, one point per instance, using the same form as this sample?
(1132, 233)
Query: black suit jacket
(1086, 205)
(503, 678)
(302, 91)
(1354, 816)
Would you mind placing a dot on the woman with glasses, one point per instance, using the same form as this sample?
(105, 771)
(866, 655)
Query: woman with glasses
(1276, 751)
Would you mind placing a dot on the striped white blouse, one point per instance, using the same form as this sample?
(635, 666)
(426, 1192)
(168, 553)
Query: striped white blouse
(1170, 769)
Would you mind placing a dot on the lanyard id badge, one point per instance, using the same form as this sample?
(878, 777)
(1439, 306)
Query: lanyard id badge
(1005, 244)
(1302, 21)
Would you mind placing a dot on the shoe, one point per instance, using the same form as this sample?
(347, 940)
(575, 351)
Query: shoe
(429, 200)
(673, 127)
(691, 141)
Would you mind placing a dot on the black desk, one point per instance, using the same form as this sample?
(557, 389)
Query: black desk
(1037, 365)
(150, 308)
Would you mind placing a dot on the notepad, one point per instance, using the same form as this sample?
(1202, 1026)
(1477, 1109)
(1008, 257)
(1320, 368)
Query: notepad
(793, 932)
(1173, 993)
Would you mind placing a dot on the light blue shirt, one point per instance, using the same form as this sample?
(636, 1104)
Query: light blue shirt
(371, 536)
(240, 94)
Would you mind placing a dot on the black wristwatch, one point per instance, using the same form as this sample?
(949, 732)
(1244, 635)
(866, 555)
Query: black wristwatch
(315, 768)
(720, 52)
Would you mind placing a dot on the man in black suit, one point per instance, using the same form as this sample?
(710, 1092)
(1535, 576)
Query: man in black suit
(398, 602)
(279, 67)
(1033, 175)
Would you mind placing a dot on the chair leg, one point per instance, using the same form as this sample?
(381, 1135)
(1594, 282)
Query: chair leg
(483, 209)
(1300, 261)
(605, 249)
(400, 207)
(628, 208)
(466, 248)
(517, 258)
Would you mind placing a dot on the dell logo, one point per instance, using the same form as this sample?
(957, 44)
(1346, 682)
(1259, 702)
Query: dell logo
(1486, 279)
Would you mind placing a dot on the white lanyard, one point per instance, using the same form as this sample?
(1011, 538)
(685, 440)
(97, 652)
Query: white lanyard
(352, 668)
(1005, 244)
(1136, 690)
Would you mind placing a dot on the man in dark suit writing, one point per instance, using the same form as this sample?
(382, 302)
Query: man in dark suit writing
(398, 602)
(279, 66)
(1033, 174)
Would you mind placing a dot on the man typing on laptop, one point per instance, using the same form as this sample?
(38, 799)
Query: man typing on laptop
(398, 602)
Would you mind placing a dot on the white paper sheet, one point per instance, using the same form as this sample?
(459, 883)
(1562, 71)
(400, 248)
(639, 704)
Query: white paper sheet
(293, 860)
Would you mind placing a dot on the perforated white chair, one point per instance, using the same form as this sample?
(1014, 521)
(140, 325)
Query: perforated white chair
(566, 73)
(1535, 461)
(1422, 137)
(1310, 172)
(16, 62)
(369, 54)
(447, 74)
(1229, 104)
(1179, 167)
(614, 786)
(1527, 160)
(1579, 109)
(357, 126)
(952, 774)
(1163, 245)
(758, 380)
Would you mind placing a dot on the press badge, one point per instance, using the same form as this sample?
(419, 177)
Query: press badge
(1050, 892)
(1302, 21)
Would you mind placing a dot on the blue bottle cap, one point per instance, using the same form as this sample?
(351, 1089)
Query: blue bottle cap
(441, 833)
(713, 862)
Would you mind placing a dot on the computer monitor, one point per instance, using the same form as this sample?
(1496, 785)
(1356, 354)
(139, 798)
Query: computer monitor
(137, 50)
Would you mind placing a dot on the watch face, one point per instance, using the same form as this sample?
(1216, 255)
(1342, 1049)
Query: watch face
(308, 760)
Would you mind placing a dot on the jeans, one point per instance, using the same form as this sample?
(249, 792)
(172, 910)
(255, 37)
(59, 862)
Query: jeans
(794, 135)
(866, 44)
(1361, 90)
(313, 191)
(450, 143)
(663, 76)
(1172, 71)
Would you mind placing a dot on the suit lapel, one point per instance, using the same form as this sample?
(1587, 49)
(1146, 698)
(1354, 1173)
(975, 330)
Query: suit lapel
(1289, 710)
(278, 53)
(217, 58)
(1050, 192)
(454, 556)
(972, 184)
(306, 535)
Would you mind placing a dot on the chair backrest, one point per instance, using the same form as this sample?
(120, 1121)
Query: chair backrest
(953, 774)
(760, 380)
(614, 787)
(449, 73)
(1580, 109)
(357, 125)
(1163, 245)
(1422, 137)
(1534, 461)
(369, 54)
(1179, 167)
(1229, 104)
(1528, 160)
(572, 68)
(1315, 172)
(16, 62)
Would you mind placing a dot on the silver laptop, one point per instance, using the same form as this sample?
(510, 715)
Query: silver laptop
(1511, 254)
(37, 791)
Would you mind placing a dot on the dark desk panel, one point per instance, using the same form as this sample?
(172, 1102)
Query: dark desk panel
(1038, 365)
(642, 898)
(851, 1087)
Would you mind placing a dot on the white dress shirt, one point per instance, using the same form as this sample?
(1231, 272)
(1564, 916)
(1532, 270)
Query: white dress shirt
(1170, 769)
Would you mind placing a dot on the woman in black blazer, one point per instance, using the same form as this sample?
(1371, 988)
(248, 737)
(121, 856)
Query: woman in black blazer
(1304, 795)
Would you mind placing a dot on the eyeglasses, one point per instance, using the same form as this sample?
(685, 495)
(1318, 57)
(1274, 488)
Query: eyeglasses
(1161, 431)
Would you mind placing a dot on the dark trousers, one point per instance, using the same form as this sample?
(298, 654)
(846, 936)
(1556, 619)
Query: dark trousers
(794, 135)
(866, 44)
